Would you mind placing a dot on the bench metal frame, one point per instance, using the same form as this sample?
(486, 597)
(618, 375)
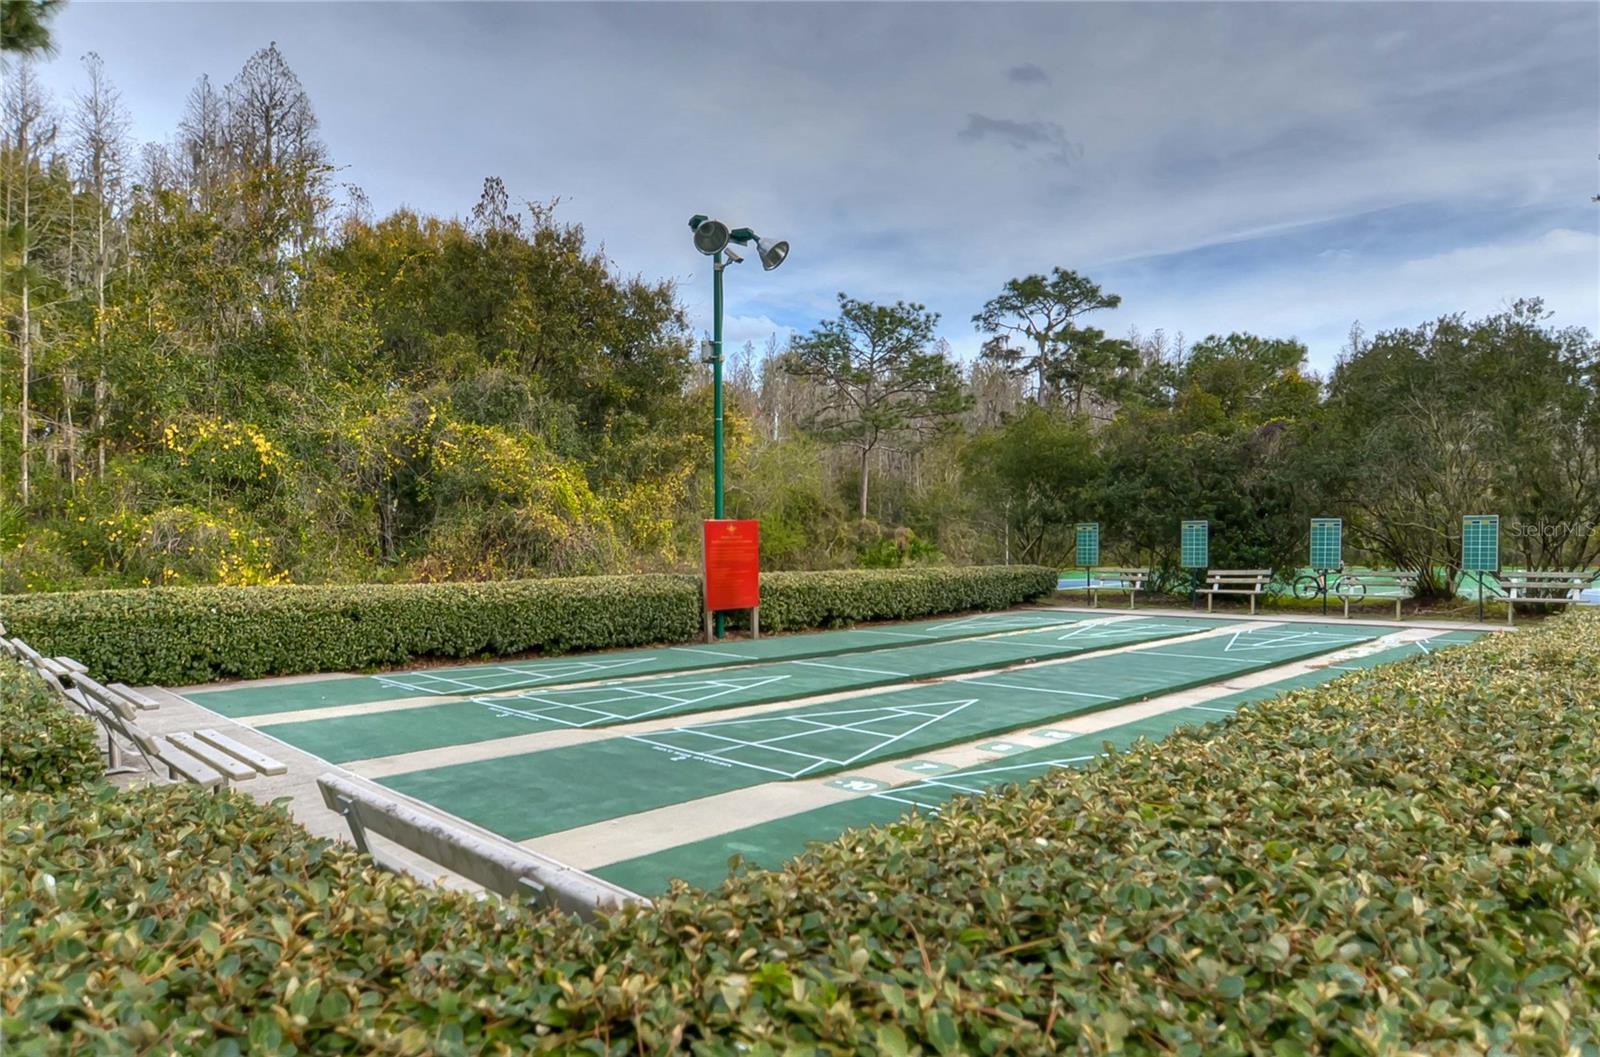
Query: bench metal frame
(498, 865)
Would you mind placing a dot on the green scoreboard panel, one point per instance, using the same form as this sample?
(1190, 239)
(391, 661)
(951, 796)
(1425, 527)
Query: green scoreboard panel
(1327, 543)
(1480, 543)
(1088, 544)
(1194, 545)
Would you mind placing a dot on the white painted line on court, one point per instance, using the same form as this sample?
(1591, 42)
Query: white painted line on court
(881, 741)
(701, 650)
(1039, 689)
(848, 668)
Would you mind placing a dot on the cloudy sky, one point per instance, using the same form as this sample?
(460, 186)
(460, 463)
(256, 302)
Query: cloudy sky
(1279, 168)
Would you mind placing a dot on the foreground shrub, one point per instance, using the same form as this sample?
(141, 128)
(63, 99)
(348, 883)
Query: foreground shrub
(1402, 861)
(43, 747)
(178, 636)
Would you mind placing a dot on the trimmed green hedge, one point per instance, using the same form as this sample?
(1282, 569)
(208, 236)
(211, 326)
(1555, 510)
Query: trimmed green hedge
(181, 635)
(43, 747)
(792, 601)
(1404, 861)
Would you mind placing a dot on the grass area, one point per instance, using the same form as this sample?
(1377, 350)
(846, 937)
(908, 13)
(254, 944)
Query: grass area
(1403, 860)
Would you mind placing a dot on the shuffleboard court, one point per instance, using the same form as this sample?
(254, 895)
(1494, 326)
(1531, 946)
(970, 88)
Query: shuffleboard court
(774, 842)
(533, 794)
(465, 681)
(770, 844)
(345, 738)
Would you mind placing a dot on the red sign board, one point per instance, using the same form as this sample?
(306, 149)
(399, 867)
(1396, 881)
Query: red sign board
(733, 564)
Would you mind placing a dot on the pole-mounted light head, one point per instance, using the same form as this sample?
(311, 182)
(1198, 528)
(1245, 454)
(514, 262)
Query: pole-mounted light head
(772, 253)
(710, 236)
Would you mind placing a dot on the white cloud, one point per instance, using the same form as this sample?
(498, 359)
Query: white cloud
(840, 127)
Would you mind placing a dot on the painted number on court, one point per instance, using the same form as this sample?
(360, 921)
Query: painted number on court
(858, 785)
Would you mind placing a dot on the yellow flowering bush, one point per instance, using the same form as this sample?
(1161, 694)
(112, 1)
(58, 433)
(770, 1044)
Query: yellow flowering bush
(224, 451)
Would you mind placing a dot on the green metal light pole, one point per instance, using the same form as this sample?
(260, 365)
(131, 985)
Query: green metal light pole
(712, 238)
(716, 388)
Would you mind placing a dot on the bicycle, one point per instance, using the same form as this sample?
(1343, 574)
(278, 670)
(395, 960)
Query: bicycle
(1312, 585)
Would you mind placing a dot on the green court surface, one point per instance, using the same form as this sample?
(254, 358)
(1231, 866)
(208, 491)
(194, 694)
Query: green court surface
(592, 667)
(771, 843)
(342, 739)
(533, 794)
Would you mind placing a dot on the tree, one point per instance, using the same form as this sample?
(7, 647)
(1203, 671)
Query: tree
(271, 129)
(269, 118)
(1043, 310)
(1456, 417)
(1238, 444)
(203, 139)
(1039, 474)
(878, 377)
(99, 130)
(24, 25)
(30, 130)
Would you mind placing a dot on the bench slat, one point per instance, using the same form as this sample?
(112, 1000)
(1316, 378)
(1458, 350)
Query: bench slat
(260, 761)
(139, 700)
(188, 767)
(106, 696)
(216, 759)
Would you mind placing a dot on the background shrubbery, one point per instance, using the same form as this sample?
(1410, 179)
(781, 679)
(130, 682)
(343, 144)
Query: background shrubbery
(1401, 861)
(43, 747)
(179, 636)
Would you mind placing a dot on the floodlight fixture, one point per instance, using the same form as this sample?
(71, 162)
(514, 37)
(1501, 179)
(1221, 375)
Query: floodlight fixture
(711, 237)
(772, 253)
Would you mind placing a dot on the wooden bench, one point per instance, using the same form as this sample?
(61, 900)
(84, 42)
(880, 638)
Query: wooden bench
(1543, 587)
(1116, 581)
(207, 758)
(1252, 582)
(1385, 584)
(499, 866)
(159, 756)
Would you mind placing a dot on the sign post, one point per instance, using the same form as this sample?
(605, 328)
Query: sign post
(1089, 554)
(1194, 553)
(1327, 551)
(733, 570)
(1480, 549)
